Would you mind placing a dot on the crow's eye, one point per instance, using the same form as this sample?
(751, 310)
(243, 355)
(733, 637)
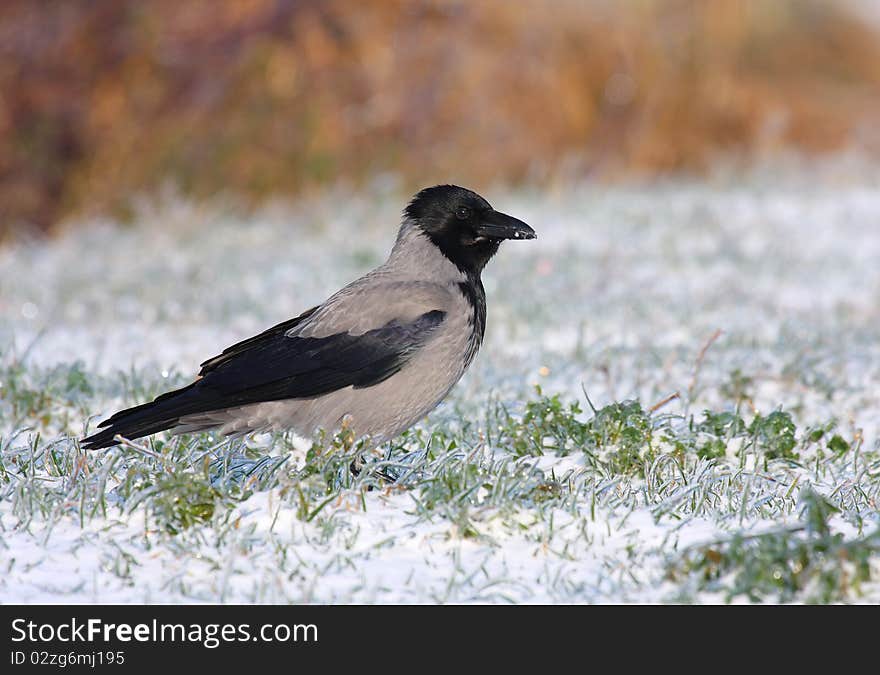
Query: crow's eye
(463, 213)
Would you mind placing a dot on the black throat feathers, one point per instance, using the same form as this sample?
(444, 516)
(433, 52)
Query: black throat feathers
(473, 291)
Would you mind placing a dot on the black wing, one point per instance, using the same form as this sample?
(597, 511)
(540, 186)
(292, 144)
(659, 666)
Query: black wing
(277, 367)
(272, 367)
(244, 345)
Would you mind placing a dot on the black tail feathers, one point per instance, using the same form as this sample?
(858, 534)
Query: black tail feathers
(150, 418)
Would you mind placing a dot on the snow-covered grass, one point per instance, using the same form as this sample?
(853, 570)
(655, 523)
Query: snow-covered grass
(678, 399)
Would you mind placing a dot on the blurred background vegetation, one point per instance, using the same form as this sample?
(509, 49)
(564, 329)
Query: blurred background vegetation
(101, 100)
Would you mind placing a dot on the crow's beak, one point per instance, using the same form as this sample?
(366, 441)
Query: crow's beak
(497, 225)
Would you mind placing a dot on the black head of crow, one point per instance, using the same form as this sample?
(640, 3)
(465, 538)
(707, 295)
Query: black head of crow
(463, 225)
(374, 358)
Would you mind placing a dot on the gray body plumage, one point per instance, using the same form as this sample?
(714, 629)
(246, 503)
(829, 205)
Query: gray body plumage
(415, 279)
(374, 358)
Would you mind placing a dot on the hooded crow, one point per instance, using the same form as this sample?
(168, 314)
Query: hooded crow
(375, 358)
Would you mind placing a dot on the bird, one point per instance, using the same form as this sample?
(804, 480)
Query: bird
(373, 359)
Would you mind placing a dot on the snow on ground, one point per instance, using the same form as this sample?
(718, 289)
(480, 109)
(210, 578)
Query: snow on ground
(618, 296)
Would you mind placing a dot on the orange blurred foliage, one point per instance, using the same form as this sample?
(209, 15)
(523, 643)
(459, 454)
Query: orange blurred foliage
(103, 99)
